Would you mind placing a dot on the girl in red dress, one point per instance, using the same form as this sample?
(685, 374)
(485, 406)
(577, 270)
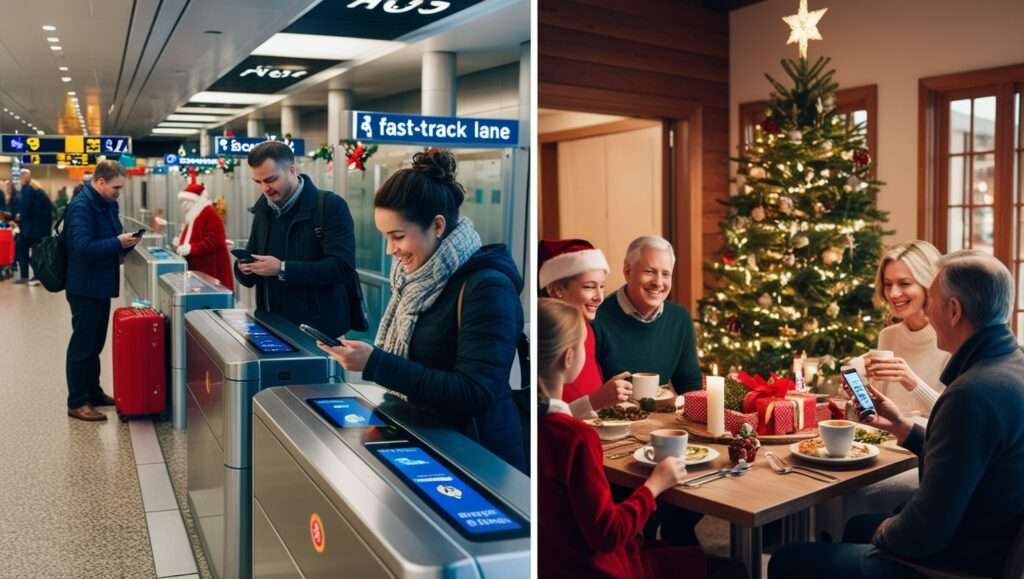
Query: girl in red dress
(573, 271)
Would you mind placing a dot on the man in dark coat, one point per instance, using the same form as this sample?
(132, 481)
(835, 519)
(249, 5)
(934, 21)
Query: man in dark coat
(307, 276)
(95, 246)
(970, 504)
(35, 218)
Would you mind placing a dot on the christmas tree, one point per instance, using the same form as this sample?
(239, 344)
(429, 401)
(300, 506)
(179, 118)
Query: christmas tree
(801, 239)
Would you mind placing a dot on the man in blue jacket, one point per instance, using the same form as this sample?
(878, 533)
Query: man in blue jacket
(35, 218)
(95, 245)
(303, 242)
(970, 503)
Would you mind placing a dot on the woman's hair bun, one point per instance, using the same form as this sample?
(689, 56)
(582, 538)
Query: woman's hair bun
(435, 163)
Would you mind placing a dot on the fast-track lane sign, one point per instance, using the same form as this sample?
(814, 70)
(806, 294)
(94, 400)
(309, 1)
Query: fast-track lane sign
(442, 131)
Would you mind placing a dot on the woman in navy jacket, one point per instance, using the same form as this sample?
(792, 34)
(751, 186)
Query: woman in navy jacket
(448, 337)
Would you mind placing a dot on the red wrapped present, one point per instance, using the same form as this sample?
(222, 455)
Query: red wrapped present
(762, 396)
(822, 411)
(807, 410)
(695, 405)
(734, 420)
(838, 410)
(776, 416)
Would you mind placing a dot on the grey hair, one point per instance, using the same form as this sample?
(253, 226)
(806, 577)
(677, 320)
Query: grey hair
(648, 241)
(981, 283)
(26, 172)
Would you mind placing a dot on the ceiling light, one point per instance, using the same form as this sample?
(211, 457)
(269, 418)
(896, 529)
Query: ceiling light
(174, 131)
(208, 110)
(17, 118)
(240, 98)
(62, 68)
(40, 133)
(65, 79)
(56, 48)
(200, 118)
(325, 47)
(71, 93)
(181, 125)
(49, 27)
(53, 39)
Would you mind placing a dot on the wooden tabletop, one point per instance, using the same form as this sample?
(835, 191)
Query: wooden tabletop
(760, 496)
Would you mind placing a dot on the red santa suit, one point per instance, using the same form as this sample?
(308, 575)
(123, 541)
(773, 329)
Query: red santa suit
(203, 242)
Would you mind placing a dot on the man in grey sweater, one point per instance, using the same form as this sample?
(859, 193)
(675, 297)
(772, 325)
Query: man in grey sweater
(970, 504)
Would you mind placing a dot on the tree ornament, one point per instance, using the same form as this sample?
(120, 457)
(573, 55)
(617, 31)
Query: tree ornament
(832, 256)
(751, 263)
(861, 157)
(796, 136)
(810, 325)
(757, 173)
(770, 126)
(733, 326)
(846, 155)
(789, 260)
(729, 258)
(757, 214)
(785, 205)
(764, 300)
(801, 241)
(787, 332)
(832, 310)
(825, 174)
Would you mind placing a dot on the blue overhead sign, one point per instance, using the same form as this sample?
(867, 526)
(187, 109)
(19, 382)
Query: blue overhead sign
(240, 146)
(445, 131)
(172, 159)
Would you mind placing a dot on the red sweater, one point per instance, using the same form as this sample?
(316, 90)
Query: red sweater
(208, 251)
(590, 379)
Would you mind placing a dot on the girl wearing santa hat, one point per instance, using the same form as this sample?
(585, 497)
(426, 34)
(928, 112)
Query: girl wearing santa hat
(573, 271)
(203, 242)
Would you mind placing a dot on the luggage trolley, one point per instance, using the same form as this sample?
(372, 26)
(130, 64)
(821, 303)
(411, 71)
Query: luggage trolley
(232, 355)
(349, 484)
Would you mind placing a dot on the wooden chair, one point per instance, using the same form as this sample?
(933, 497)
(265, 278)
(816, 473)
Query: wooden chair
(1014, 568)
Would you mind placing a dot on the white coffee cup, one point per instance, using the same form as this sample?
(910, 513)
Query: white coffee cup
(645, 385)
(878, 355)
(837, 436)
(667, 442)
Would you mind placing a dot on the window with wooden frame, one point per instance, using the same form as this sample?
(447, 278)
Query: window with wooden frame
(856, 105)
(970, 190)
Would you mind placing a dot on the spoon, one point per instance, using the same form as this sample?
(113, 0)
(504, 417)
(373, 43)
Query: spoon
(738, 470)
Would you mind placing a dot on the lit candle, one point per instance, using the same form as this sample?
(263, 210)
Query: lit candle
(810, 370)
(714, 368)
(716, 405)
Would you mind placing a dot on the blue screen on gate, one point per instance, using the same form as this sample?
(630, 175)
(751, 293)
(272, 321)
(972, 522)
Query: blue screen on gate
(348, 412)
(159, 253)
(256, 333)
(476, 516)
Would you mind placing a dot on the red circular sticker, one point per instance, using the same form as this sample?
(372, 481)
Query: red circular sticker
(316, 533)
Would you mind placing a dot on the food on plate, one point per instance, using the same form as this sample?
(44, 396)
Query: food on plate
(648, 404)
(870, 436)
(630, 413)
(816, 447)
(744, 446)
(599, 422)
(696, 452)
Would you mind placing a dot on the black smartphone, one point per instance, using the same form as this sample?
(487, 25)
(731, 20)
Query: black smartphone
(243, 255)
(318, 335)
(861, 398)
(139, 233)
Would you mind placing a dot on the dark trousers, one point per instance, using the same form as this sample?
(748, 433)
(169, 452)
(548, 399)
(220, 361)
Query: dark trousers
(89, 319)
(21, 247)
(854, 558)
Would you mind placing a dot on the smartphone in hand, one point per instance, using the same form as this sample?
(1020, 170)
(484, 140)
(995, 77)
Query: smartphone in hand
(138, 234)
(243, 255)
(861, 398)
(318, 335)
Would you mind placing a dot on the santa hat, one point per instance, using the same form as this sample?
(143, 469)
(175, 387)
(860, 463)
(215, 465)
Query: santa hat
(562, 258)
(193, 190)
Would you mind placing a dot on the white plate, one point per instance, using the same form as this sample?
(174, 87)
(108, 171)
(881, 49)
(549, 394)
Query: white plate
(616, 431)
(665, 393)
(638, 455)
(828, 460)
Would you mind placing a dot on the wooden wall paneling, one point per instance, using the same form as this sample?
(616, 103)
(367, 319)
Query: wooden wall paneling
(587, 74)
(549, 211)
(597, 130)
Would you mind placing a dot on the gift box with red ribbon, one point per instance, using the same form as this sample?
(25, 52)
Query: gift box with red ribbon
(822, 411)
(767, 398)
(734, 420)
(695, 405)
(806, 409)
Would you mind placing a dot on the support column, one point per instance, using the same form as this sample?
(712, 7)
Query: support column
(204, 143)
(289, 120)
(525, 94)
(438, 84)
(339, 103)
(254, 127)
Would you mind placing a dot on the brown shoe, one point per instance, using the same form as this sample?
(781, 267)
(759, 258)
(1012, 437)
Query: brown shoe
(86, 413)
(102, 400)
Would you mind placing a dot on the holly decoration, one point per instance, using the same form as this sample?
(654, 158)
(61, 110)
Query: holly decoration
(744, 446)
(357, 154)
(227, 165)
(325, 152)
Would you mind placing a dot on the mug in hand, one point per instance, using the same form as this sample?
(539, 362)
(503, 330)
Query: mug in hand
(878, 355)
(667, 442)
(837, 436)
(645, 385)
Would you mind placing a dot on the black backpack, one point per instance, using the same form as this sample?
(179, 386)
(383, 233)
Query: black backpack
(50, 259)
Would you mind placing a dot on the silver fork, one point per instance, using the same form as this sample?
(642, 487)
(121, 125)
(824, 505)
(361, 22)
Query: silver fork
(782, 467)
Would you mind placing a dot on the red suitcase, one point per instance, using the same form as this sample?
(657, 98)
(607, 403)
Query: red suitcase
(140, 383)
(6, 247)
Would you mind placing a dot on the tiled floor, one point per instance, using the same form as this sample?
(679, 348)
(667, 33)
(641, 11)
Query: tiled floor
(70, 493)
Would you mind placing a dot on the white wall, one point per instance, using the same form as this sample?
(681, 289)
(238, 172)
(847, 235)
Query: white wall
(884, 42)
(491, 93)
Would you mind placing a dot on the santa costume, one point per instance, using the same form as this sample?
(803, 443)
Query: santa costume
(203, 242)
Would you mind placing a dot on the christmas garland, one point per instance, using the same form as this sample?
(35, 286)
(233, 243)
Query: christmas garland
(227, 165)
(325, 152)
(357, 154)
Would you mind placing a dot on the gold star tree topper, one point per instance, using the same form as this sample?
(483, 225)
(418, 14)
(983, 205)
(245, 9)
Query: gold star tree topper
(803, 26)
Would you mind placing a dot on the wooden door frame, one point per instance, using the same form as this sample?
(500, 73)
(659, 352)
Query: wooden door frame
(682, 176)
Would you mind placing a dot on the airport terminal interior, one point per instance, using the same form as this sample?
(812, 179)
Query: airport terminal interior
(317, 481)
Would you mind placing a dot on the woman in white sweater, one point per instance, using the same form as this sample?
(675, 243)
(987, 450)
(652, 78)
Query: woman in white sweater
(911, 377)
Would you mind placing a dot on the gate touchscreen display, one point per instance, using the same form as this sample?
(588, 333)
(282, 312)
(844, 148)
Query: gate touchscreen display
(347, 412)
(257, 334)
(475, 515)
(159, 253)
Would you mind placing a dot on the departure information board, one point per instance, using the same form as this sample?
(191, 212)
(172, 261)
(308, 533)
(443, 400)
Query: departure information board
(31, 144)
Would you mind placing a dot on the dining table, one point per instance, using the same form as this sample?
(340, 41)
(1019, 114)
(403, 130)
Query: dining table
(760, 496)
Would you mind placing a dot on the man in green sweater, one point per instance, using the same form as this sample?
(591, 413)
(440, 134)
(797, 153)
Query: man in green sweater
(636, 330)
